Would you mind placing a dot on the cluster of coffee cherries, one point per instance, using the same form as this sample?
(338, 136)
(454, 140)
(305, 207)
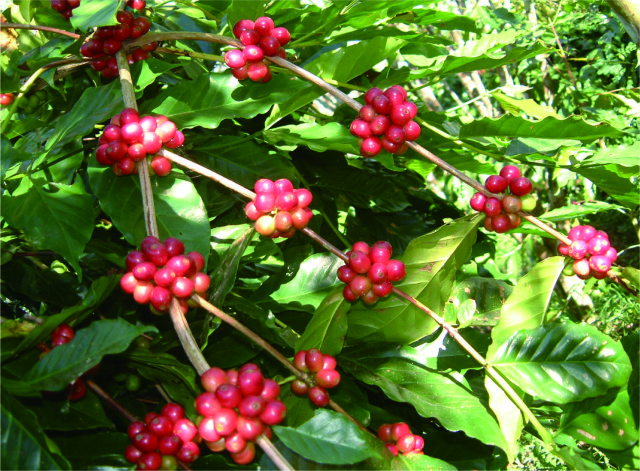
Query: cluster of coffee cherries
(591, 251)
(6, 99)
(162, 440)
(236, 408)
(260, 39)
(370, 272)
(107, 40)
(160, 270)
(503, 215)
(326, 376)
(129, 139)
(278, 209)
(386, 122)
(59, 336)
(65, 7)
(399, 439)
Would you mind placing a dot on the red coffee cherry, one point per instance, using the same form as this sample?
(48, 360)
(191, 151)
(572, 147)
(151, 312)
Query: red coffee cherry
(319, 396)
(510, 173)
(399, 430)
(212, 378)
(328, 378)
(496, 184)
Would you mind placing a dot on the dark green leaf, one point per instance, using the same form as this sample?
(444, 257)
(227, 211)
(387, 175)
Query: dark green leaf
(328, 326)
(332, 136)
(328, 437)
(563, 363)
(66, 362)
(100, 450)
(63, 414)
(24, 444)
(94, 13)
(180, 211)
(448, 397)
(53, 216)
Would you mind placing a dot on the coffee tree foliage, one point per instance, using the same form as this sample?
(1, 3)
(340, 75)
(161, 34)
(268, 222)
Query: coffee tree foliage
(549, 86)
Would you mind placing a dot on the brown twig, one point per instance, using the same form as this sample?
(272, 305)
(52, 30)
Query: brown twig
(103, 395)
(48, 29)
(562, 54)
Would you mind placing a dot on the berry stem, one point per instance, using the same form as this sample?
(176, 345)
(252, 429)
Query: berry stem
(163, 393)
(272, 452)
(48, 29)
(103, 395)
(186, 337)
(129, 99)
(258, 340)
(186, 163)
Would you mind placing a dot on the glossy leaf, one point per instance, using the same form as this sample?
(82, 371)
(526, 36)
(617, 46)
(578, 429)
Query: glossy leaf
(94, 13)
(578, 210)
(24, 444)
(328, 326)
(509, 416)
(52, 215)
(180, 211)
(66, 362)
(63, 414)
(312, 284)
(103, 450)
(526, 306)
(447, 397)
(563, 363)
(320, 138)
(431, 262)
(548, 128)
(211, 98)
(328, 437)
(341, 65)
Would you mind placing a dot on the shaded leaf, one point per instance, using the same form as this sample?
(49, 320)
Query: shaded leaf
(100, 450)
(67, 362)
(24, 444)
(63, 414)
(328, 326)
(563, 363)
(180, 211)
(52, 215)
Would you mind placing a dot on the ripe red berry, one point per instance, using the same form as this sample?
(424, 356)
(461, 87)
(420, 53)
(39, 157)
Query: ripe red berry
(212, 378)
(161, 298)
(173, 412)
(392, 448)
(346, 273)
(269, 45)
(242, 25)
(251, 406)
(264, 25)
(257, 71)
(250, 37)
(367, 113)
(226, 421)
(371, 147)
(520, 186)
(399, 430)
(274, 412)
(246, 456)
(378, 125)
(501, 223)
(314, 360)
(492, 207)
(578, 249)
(360, 128)
(185, 430)
(406, 443)
(319, 396)
(371, 94)
(477, 201)
(235, 58)
(151, 142)
(150, 461)
(300, 361)
(132, 454)
(396, 270)
(600, 263)
(383, 289)
(299, 387)
(400, 114)
(510, 172)
(228, 395)
(411, 131)
(207, 429)
(251, 382)
(188, 453)
(145, 441)
(496, 184)
(63, 330)
(169, 445)
(248, 428)
(328, 378)
(270, 390)
(166, 131)
(349, 295)
(359, 261)
(598, 246)
(282, 35)
(160, 426)
(360, 285)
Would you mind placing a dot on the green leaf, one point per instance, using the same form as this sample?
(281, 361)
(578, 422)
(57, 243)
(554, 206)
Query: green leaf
(563, 363)
(341, 65)
(314, 281)
(53, 216)
(98, 292)
(488, 294)
(320, 138)
(97, 104)
(63, 414)
(611, 426)
(431, 261)
(223, 276)
(509, 416)
(528, 106)
(607, 178)
(99, 450)
(328, 326)
(526, 306)
(67, 362)
(420, 463)
(448, 397)
(180, 211)
(548, 128)
(24, 444)
(578, 210)
(328, 437)
(241, 9)
(624, 156)
(94, 13)
(211, 98)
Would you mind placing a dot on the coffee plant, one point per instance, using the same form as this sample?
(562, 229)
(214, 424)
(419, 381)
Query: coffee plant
(408, 241)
